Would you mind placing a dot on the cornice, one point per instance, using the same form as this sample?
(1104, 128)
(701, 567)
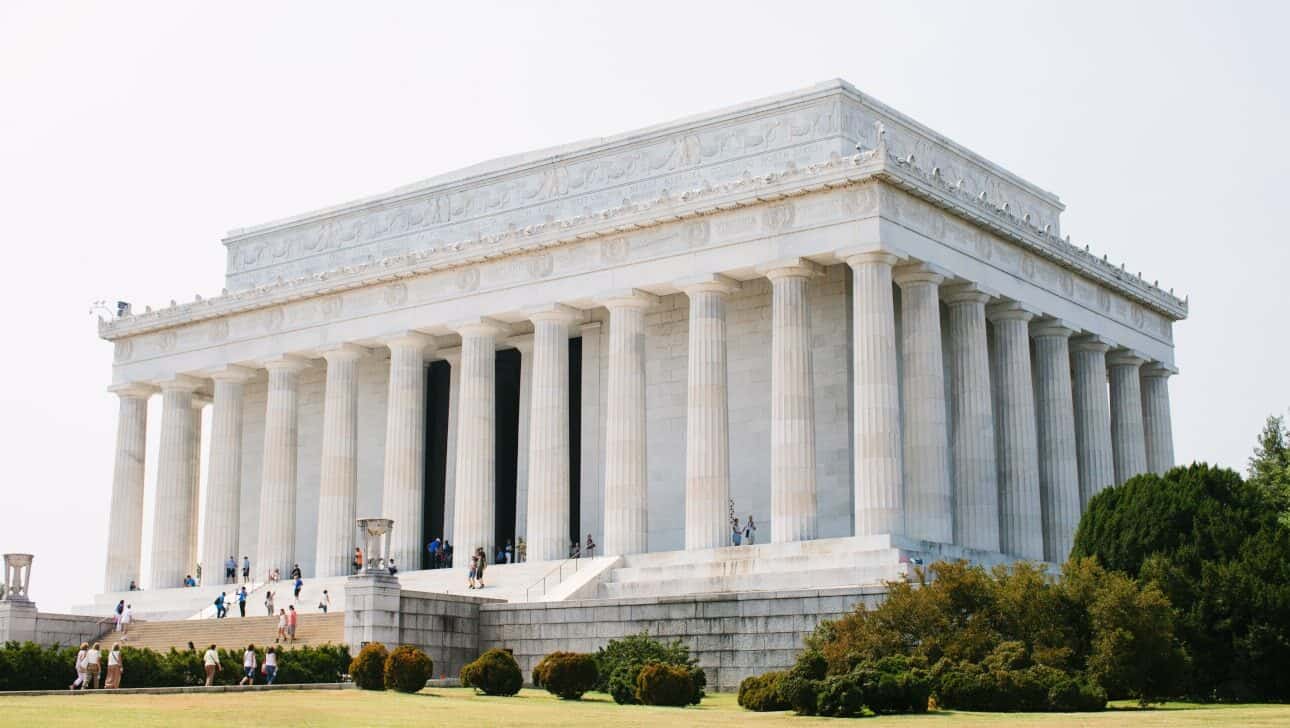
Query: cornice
(745, 191)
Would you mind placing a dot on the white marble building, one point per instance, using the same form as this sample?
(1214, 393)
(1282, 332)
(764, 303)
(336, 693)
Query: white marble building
(810, 304)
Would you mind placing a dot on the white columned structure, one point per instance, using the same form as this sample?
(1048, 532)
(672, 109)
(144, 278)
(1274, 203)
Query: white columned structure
(1092, 416)
(224, 475)
(171, 534)
(928, 511)
(276, 535)
(1058, 464)
(125, 519)
(475, 500)
(1128, 440)
(453, 357)
(548, 445)
(403, 488)
(707, 420)
(524, 345)
(1020, 519)
(878, 448)
(976, 471)
(626, 462)
(1157, 421)
(338, 474)
(194, 507)
(793, 495)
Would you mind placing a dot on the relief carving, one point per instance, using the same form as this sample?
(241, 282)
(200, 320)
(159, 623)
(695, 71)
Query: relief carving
(219, 330)
(613, 250)
(329, 307)
(467, 279)
(777, 217)
(540, 266)
(273, 318)
(395, 294)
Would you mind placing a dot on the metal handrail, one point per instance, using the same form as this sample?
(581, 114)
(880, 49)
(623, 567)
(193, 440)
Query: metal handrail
(558, 570)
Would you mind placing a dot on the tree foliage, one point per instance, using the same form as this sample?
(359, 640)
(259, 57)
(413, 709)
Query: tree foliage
(493, 673)
(619, 663)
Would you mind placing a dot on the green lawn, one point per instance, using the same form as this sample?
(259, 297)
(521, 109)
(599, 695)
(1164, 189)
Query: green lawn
(458, 706)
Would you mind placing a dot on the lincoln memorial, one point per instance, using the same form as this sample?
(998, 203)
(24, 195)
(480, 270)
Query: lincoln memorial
(809, 308)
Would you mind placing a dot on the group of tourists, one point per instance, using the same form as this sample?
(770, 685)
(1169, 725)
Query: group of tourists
(478, 561)
(509, 554)
(440, 553)
(746, 536)
(89, 665)
(122, 616)
(577, 552)
(250, 664)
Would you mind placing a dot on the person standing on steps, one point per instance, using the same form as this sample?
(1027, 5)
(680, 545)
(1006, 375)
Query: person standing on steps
(358, 559)
(474, 569)
(126, 618)
(300, 584)
(241, 602)
(736, 533)
(295, 571)
(325, 603)
(521, 550)
(210, 663)
(117, 613)
(282, 626)
(246, 569)
(114, 668)
(590, 549)
(293, 619)
(479, 571)
(230, 569)
(220, 609)
(268, 602)
(249, 663)
(750, 531)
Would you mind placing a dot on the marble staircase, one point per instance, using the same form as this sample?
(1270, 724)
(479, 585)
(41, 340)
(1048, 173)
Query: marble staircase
(232, 632)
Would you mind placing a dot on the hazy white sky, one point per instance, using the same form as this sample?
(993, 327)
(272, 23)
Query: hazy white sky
(133, 135)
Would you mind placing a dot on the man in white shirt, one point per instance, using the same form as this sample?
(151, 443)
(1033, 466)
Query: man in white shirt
(210, 662)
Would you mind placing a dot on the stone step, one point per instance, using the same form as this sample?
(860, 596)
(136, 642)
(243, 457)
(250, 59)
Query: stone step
(764, 566)
(806, 579)
(229, 633)
(819, 547)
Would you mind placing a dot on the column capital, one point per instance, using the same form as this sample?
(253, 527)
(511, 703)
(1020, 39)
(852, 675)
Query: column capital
(557, 312)
(410, 340)
(1158, 369)
(523, 343)
(966, 293)
(918, 272)
(626, 298)
(133, 390)
(181, 383)
(344, 352)
(481, 326)
(1010, 311)
(287, 363)
(707, 283)
(233, 373)
(1125, 358)
(869, 253)
(451, 355)
(790, 268)
(1090, 342)
(1051, 327)
(200, 400)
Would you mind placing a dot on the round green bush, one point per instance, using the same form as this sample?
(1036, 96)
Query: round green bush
(493, 673)
(760, 693)
(841, 696)
(368, 669)
(407, 669)
(566, 674)
(801, 694)
(662, 684)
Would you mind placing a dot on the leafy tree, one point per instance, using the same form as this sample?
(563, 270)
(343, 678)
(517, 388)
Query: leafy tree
(1269, 469)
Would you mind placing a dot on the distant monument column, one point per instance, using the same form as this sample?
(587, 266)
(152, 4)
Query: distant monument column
(976, 473)
(125, 520)
(1157, 425)
(626, 464)
(199, 403)
(171, 530)
(1058, 465)
(338, 476)
(548, 445)
(403, 492)
(224, 475)
(1127, 437)
(1021, 530)
(475, 499)
(1092, 417)
(276, 538)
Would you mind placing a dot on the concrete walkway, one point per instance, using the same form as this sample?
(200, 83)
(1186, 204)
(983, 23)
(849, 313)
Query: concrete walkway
(186, 689)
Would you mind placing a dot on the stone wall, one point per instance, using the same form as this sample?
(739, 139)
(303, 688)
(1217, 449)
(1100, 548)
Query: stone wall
(732, 635)
(22, 622)
(444, 625)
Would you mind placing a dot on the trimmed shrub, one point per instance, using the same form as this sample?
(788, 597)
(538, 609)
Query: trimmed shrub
(761, 693)
(801, 694)
(368, 669)
(659, 683)
(493, 673)
(407, 669)
(891, 686)
(566, 674)
(841, 696)
(619, 663)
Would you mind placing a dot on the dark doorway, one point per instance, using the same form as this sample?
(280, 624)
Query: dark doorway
(438, 383)
(508, 444)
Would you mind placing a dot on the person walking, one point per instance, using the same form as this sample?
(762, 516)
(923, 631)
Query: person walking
(230, 569)
(246, 569)
(270, 665)
(750, 531)
(210, 663)
(93, 664)
(590, 549)
(268, 602)
(325, 603)
(282, 626)
(116, 615)
(80, 667)
(126, 618)
(295, 571)
(293, 619)
(220, 609)
(241, 602)
(358, 559)
(300, 584)
(474, 568)
(249, 663)
(479, 570)
(114, 668)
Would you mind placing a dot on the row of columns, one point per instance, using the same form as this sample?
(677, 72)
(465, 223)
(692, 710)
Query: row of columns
(1005, 465)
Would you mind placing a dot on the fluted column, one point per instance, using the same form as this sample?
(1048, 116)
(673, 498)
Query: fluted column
(928, 512)
(453, 357)
(199, 403)
(548, 465)
(276, 535)
(403, 491)
(224, 475)
(879, 469)
(524, 345)
(626, 463)
(338, 476)
(976, 471)
(1020, 514)
(707, 422)
(1092, 417)
(1157, 422)
(475, 501)
(125, 519)
(171, 532)
(1128, 440)
(793, 496)
(1058, 465)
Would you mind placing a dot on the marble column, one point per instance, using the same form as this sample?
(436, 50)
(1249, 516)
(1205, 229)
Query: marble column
(928, 511)
(626, 463)
(194, 506)
(403, 491)
(276, 535)
(976, 471)
(879, 467)
(548, 464)
(1058, 464)
(1157, 422)
(171, 533)
(793, 496)
(707, 422)
(125, 519)
(475, 500)
(453, 357)
(1092, 417)
(1021, 530)
(224, 475)
(524, 345)
(338, 474)
(1128, 440)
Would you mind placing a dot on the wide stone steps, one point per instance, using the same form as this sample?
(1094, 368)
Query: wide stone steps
(232, 632)
(774, 581)
(756, 567)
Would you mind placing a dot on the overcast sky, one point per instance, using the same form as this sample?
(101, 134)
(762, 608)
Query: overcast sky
(134, 135)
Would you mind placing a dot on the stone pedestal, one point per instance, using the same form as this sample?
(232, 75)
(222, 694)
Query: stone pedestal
(371, 610)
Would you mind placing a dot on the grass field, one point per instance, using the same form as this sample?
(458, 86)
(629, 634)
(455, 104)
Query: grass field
(458, 706)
